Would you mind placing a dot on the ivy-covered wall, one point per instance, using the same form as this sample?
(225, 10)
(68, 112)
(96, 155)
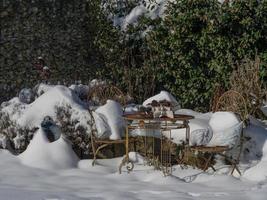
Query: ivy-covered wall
(63, 32)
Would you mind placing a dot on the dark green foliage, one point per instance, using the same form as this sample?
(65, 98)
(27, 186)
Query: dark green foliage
(64, 32)
(128, 62)
(199, 43)
(196, 45)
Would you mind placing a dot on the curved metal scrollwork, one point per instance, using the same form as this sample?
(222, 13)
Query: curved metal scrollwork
(128, 163)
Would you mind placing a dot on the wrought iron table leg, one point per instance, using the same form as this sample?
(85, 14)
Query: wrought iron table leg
(126, 160)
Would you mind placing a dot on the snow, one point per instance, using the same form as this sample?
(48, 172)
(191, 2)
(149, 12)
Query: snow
(42, 88)
(151, 9)
(80, 90)
(264, 110)
(226, 128)
(112, 113)
(20, 182)
(42, 154)
(256, 154)
(163, 95)
(133, 16)
(51, 170)
(31, 115)
(148, 8)
(200, 133)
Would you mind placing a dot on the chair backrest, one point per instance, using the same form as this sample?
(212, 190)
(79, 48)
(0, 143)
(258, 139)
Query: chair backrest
(99, 94)
(233, 101)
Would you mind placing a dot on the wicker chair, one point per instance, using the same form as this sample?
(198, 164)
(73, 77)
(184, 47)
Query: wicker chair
(233, 101)
(98, 96)
(230, 101)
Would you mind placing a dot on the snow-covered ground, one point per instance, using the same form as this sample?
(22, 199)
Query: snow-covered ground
(51, 171)
(103, 181)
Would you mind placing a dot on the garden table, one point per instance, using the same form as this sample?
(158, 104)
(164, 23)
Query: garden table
(163, 124)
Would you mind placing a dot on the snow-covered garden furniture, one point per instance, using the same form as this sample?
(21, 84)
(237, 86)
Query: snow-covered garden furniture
(100, 93)
(228, 134)
(106, 112)
(160, 127)
(233, 101)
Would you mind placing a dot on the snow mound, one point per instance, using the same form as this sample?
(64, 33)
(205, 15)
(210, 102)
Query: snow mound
(46, 105)
(264, 110)
(42, 154)
(200, 133)
(80, 90)
(42, 88)
(110, 114)
(255, 151)
(163, 95)
(226, 129)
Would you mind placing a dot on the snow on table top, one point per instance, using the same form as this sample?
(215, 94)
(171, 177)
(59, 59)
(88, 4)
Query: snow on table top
(163, 95)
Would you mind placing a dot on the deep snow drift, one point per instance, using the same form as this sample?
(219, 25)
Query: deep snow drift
(41, 153)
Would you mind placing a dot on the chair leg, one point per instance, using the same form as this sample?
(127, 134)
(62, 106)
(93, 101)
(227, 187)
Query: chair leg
(96, 152)
(207, 165)
(235, 167)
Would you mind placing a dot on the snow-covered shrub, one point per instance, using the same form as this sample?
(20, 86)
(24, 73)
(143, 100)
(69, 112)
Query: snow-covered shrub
(26, 95)
(41, 88)
(12, 136)
(75, 132)
(80, 90)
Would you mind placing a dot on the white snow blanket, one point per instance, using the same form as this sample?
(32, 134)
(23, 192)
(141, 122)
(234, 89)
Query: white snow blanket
(40, 153)
(42, 88)
(163, 95)
(255, 152)
(148, 8)
(109, 120)
(226, 128)
(31, 115)
(200, 133)
(80, 90)
(264, 110)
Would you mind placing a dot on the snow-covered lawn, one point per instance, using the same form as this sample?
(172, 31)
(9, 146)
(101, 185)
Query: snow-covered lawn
(104, 182)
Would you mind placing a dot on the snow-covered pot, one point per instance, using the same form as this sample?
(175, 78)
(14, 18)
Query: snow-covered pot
(26, 95)
(50, 129)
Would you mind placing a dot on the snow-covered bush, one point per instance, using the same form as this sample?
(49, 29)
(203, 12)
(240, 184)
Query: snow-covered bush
(13, 136)
(78, 134)
(80, 90)
(41, 88)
